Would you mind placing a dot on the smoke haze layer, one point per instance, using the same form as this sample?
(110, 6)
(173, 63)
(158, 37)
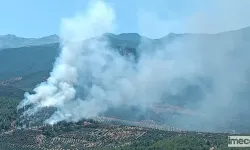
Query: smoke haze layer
(206, 73)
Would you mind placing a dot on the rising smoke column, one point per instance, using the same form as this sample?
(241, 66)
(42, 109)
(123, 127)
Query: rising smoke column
(59, 88)
(89, 77)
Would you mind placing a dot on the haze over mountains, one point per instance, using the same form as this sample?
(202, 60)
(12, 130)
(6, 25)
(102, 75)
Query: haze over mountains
(25, 67)
(23, 56)
(12, 41)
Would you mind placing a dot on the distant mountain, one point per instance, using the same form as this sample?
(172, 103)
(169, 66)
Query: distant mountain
(12, 41)
(33, 63)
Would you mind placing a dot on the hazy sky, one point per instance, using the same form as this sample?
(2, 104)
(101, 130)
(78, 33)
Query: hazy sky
(153, 18)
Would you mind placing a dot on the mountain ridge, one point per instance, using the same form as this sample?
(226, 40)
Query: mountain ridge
(13, 41)
(29, 59)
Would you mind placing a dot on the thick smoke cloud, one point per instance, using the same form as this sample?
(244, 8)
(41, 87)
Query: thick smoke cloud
(89, 77)
(59, 89)
(220, 60)
(206, 73)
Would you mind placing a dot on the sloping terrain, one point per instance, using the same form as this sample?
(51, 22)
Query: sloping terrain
(94, 135)
(18, 62)
(9, 91)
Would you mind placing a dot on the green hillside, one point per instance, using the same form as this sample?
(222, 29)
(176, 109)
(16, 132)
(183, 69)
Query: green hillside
(17, 62)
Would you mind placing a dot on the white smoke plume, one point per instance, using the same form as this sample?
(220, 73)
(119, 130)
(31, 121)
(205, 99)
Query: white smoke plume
(59, 89)
(89, 77)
